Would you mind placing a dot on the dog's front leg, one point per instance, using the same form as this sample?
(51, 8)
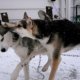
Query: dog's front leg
(18, 68)
(15, 73)
(26, 70)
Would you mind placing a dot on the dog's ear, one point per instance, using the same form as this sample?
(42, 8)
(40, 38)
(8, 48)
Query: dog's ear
(25, 15)
(28, 19)
(43, 15)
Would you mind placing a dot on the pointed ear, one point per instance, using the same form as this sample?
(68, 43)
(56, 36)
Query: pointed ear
(25, 15)
(44, 16)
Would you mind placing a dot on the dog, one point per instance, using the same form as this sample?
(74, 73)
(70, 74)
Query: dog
(56, 36)
(26, 48)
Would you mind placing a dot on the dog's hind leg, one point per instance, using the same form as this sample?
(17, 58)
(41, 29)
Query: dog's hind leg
(56, 59)
(15, 73)
(54, 66)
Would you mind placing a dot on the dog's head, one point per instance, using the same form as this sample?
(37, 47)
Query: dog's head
(7, 37)
(27, 27)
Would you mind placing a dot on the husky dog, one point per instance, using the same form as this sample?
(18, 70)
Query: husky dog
(24, 47)
(56, 36)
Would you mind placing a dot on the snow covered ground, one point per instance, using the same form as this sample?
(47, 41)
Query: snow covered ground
(69, 68)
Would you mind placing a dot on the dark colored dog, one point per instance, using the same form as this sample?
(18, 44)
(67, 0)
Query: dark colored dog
(24, 47)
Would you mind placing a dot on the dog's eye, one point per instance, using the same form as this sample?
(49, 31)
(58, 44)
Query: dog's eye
(19, 26)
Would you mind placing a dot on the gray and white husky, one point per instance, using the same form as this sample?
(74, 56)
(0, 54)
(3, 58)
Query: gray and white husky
(26, 48)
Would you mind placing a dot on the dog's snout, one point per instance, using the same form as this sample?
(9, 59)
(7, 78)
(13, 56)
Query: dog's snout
(3, 50)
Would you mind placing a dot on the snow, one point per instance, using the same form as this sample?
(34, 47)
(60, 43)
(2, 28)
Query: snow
(69, 68)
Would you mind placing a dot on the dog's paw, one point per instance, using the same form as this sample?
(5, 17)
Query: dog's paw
(45, 68)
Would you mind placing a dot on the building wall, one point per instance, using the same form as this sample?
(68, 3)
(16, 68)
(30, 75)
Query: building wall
(16, 8)
(77, 2)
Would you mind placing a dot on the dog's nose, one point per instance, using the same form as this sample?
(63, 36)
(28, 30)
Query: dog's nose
(3, 50)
